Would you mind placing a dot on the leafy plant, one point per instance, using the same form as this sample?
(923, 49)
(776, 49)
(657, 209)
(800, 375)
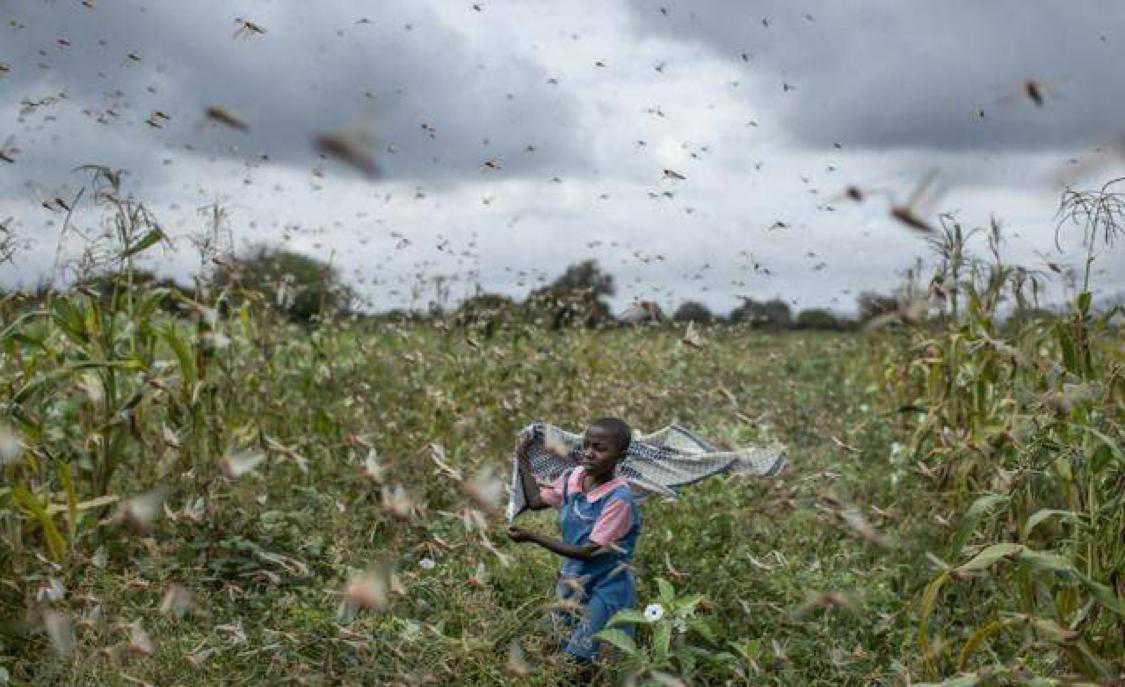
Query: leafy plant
(668, 622)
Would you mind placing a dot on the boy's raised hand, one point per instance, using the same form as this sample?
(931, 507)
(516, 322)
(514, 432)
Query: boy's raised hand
(523, 442)
(518, 534)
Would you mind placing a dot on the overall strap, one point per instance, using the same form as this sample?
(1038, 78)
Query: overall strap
(566, 482)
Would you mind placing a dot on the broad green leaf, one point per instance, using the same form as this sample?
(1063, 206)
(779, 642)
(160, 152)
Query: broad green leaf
(977, 638)
(972, 518)
(929, 600)
(70, 320)
(29, 389)
(667, 593)
(13, 328)
(1044, 560)
(151, 300)
(183, 355)
(1041, 515)
(1103, 594)
(1114, 448)
(31, 505)
(147, 241)
(100, 501)
(618, 639)
(990, 555)
(661, 639)
(700, 625)
(1049, 629)
(627, 615)
(687, 604)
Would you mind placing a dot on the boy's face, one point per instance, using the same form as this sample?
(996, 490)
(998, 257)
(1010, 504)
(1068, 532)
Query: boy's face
(599, 452)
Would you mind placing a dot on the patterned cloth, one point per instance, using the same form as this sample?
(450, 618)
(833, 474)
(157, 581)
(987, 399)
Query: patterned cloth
(661, 462)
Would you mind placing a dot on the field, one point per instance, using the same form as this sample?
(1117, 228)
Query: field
(954, 511)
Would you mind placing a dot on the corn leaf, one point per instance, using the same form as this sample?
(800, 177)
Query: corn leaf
(56, 545)
(147, 241)
(972, 518)
(1042, 515)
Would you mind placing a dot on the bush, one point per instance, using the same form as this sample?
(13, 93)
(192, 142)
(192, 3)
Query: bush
(871, 305)
(574, 299)
(817, 318)
(772, 314)
(486, 312)
(299, 285)
(693, 311)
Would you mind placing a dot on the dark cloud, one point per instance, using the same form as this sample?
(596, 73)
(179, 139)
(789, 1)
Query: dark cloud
(435, 105)
(894, 73)
(894, 82)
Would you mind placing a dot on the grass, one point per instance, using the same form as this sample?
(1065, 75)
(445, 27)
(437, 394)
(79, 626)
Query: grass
(406, 388)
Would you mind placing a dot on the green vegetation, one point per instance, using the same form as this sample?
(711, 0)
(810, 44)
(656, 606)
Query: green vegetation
(192, 498)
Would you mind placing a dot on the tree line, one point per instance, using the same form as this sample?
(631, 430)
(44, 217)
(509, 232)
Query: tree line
(307, 290)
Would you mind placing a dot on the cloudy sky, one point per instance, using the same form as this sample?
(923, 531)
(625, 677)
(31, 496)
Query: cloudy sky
(513, 138)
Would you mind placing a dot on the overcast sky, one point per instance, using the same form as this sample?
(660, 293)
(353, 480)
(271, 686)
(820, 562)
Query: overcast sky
(513, 138)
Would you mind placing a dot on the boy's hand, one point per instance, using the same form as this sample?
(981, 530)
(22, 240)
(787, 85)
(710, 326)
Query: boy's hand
(523, 442)
(518, 534)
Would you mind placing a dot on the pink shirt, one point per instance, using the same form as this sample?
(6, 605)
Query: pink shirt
(615, 519)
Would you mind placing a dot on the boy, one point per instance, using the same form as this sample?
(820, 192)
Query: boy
(600, 522)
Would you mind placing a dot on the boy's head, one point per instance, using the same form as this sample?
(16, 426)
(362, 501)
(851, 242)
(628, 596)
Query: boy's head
(605, 443)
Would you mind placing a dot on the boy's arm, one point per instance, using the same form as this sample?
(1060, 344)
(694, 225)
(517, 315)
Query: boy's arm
(586, 552)
(527, 478)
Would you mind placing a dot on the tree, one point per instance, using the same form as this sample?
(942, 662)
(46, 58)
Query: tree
(693, 311)
(771, 314)
(586, 275)
(486, 313)
(573, 299)
(300, 286)
(871, 305)
(817, 318)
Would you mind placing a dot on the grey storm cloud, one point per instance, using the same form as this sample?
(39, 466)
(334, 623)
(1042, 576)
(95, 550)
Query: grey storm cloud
(434, 107)
(608, 95)
(917, 74)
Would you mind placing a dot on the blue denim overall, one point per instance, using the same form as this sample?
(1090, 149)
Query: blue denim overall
(603, 585)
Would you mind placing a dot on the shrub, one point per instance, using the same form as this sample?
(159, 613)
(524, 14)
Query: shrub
(299, 285)
(693, 311)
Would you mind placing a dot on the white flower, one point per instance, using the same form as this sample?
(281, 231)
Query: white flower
(427, 564)
(654, 612)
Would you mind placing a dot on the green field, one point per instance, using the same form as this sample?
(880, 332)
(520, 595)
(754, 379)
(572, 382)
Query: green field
(842, 572)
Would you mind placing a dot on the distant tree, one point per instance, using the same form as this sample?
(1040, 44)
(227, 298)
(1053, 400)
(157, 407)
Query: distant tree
(771, 314)
(871, 305)
(586, 275)
(486, 312)
(817, 318)
(574, 299)
(298, 285)
(693, 311)
(396, 316)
